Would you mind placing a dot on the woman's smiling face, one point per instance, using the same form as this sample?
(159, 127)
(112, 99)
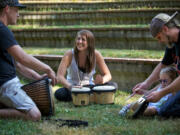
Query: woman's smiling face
(81, 42)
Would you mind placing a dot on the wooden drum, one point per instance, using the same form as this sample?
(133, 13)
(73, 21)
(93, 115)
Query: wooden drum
(104, 94)
(81, 96)
(41, 93)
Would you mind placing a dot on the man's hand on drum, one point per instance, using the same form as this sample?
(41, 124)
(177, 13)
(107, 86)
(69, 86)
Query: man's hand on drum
(98, 79)
(42, 76)
(37, 76)
(51, 74)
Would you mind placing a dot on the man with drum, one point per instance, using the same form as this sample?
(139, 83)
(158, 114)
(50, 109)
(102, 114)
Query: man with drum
(166, 30)
(17, 103)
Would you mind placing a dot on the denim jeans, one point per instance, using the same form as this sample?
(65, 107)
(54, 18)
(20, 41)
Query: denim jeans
(171, 108)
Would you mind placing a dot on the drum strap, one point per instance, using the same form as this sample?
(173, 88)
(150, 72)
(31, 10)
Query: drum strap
(70, 123)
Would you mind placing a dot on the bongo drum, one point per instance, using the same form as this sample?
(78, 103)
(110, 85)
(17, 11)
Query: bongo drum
(104, 94)
(41, 93)
(81, 96)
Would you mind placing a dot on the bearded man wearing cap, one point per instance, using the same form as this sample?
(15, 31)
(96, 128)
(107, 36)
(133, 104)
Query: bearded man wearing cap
(165, 29)
(17, 103)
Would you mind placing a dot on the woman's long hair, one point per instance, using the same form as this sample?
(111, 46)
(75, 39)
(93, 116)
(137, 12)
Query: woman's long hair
(90, 55)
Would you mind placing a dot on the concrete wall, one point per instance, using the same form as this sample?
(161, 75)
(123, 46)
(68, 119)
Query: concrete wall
(118, 38)
(103, 4)
(126, 72)
(103, 17)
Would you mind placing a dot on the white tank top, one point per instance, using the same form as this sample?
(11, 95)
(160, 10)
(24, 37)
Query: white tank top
(76, 76)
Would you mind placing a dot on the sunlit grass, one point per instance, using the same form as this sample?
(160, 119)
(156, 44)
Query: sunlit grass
(19, 127)
(77, 26)
(115, 53)
(35, 11)
(102, 120)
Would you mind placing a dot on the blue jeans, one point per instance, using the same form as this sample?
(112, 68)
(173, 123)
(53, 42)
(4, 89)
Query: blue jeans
(171, 108)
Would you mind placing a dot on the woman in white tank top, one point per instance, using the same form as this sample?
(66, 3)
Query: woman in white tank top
(80, 64)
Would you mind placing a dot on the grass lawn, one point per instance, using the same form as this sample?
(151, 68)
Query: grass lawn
(14, 27)
(102, 120)
(83, 10)
(116, 53)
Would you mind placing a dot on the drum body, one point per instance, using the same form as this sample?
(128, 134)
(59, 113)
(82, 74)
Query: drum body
(41, 93)
(81, 96)
(104, 94)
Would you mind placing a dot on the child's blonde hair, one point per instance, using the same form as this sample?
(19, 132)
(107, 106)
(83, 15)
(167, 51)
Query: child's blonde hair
(171, 71)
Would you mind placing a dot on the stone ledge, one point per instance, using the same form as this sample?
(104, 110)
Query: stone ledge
(76, 29)
(116, 37)
(103, 17)
(154, 2)
(107, 59)
(98, 11)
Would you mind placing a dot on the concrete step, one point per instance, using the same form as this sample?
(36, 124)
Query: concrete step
(84, 5)
(115, 37)
(69, 0)
(141, 16)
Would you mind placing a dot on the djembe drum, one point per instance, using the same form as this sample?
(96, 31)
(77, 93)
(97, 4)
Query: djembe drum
(81, 96)
(104, 94)
(41, 93)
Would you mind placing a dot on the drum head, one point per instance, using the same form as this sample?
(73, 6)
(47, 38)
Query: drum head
(81, 90)
(141, 107)
(104, 88)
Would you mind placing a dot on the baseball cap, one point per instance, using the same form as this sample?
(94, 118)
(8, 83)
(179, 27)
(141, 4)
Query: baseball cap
(11, 3)
(158, 21)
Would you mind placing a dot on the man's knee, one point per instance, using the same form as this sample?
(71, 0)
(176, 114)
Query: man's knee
(34, 114)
